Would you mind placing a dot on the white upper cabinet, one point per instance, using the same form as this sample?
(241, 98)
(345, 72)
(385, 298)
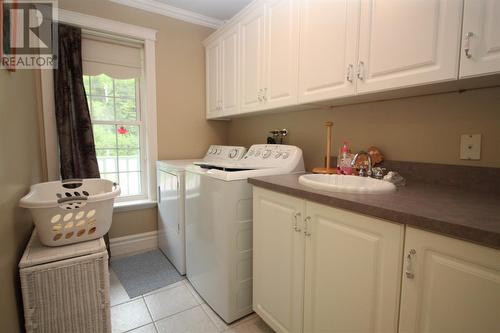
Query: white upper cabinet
(212, 56)
(408, 43)
(269, 55)
(222, 70)
(449, 285)
(252, 59)
(328, 49)
(281, 53)
(229, 46)
(481, 38)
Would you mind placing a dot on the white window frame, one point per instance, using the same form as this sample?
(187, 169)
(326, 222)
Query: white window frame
(140, 122)
(110, 28)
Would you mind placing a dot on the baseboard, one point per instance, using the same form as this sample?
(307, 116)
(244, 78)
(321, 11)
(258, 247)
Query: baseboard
(137, 243)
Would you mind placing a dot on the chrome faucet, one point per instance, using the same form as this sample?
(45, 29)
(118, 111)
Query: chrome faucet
(369, 172)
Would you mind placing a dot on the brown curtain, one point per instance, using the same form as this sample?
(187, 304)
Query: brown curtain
(74, 127)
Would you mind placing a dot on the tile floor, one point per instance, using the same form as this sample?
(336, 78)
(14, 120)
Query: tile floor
(176, 308)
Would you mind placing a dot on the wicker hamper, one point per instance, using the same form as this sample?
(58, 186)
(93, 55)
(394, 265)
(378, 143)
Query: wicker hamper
(66, 289)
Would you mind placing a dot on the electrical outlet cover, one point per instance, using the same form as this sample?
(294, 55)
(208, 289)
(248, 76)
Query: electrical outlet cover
(470, 146)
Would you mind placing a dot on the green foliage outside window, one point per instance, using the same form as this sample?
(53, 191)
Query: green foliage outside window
(113, 109)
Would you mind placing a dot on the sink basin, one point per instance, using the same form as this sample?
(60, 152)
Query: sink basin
(346, 184)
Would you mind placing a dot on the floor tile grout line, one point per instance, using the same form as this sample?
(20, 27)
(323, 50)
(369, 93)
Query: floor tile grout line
(145, 295)
(162, 289)
(191, 289)
(151, 317)
(140, 327)
(184, 283)
(125, 302)
(176, 313)
(228, 326)
(213, 322)
(149, 311)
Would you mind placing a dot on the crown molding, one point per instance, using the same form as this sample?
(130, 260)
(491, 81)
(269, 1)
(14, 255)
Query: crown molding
(157, 7)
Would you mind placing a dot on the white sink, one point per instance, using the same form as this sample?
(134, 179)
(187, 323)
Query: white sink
(346, 184)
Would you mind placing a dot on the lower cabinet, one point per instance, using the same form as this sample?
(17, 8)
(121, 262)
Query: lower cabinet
(352, 272)
(278, 260)
(449, 285)
(319, 269)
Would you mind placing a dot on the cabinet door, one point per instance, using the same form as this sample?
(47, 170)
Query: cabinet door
(328, 49)
(408, 43)
(352, 275)
(282, 58)
(252, 59)
(278, 260)
(229, 71)
(455, 286)
(481, 36)
(212, 54)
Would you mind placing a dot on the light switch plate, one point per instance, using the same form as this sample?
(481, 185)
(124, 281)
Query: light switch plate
(470, 146)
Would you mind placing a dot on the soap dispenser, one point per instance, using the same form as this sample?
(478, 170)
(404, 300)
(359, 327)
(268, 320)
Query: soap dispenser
(344, 160)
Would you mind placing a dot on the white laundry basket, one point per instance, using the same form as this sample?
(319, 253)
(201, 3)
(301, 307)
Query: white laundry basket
(71, 211)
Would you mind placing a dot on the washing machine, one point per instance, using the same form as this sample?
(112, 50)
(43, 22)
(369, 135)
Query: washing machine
(172, 188)
(219, 225)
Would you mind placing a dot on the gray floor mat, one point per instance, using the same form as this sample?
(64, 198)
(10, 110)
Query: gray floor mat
(145, 272)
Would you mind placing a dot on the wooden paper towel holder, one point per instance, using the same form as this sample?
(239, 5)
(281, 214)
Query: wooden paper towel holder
(327, 169)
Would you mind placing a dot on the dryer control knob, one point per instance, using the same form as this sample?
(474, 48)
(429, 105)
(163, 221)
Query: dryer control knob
(257, 153)
(277, 155)
(266, 153)
(233, 153)
(285, 155)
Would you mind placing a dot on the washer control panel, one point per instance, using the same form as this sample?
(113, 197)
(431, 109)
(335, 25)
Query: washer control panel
(224, 153)
(271, 155)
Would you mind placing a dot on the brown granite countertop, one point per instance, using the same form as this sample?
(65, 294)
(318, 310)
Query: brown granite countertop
(453, 211)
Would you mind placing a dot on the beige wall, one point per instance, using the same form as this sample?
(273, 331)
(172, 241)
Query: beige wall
(423, 129)
(133, 222)
(183, 131)
(20, 167)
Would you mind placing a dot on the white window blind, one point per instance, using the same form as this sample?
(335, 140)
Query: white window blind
(120, 61)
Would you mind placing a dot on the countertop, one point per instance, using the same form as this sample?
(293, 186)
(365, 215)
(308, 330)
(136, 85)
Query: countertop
(469, 215)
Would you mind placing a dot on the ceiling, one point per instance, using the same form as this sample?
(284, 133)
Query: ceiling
(219, 9)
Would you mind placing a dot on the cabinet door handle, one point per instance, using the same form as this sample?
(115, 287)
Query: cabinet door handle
(296, 222)
(306, 224)
(349, 73)
(159, 194)
(409, 265)
(361, 70)
(467, 39)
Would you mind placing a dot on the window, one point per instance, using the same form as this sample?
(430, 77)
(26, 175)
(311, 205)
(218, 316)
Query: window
(117, 125)
(125, 54)
(112, 78)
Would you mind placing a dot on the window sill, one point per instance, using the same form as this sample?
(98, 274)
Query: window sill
(127, 206)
